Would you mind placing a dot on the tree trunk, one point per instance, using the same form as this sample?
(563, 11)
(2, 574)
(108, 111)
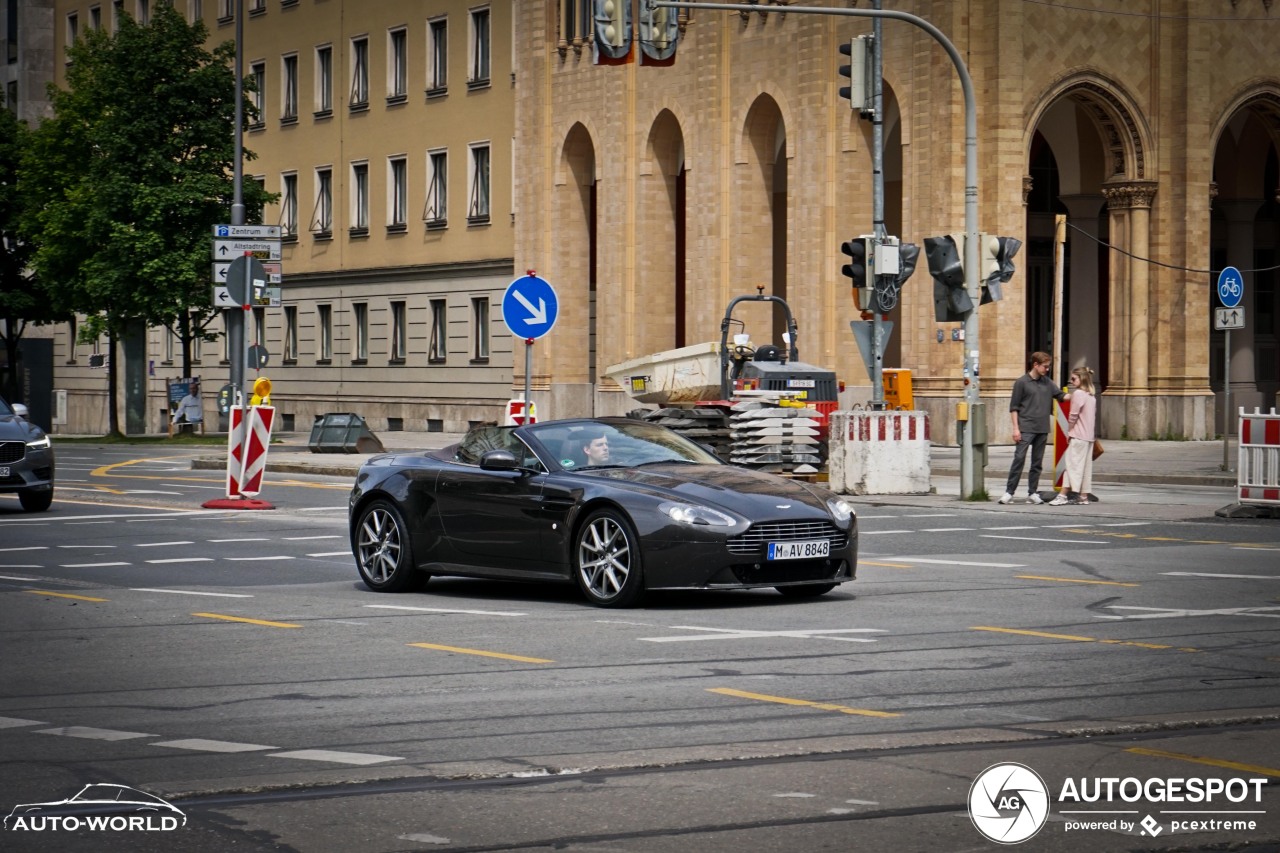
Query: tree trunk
(113, 414)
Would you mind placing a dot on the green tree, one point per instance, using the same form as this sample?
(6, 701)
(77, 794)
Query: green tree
(126, 179)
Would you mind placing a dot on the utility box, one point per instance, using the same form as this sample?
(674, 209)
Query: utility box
(342, 432)
(897, 388)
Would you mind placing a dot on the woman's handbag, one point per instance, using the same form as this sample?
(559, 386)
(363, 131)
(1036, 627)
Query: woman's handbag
(1097, 448)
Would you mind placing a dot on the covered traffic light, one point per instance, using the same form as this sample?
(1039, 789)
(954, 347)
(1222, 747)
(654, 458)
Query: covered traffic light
(859, 74)
(859, 252)
(612, 22)
(996, 258)
(659, 32)
(951, 302)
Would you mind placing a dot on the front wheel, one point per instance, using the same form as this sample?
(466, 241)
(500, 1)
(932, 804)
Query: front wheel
(809, 590)
(33, 501)
(607, 560)
(384, 552)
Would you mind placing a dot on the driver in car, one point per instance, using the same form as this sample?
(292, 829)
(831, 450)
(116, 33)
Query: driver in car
(595, 447)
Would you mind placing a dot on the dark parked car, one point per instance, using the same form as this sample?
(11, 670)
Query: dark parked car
(618, 506)
(26, 459)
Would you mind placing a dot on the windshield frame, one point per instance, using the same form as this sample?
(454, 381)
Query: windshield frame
(632, 443)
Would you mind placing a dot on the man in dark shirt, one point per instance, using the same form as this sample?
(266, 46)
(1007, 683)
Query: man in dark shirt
(1030, 407)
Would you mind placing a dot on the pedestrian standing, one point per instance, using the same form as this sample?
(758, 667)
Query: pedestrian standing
(1077, 479)
(1030, 406)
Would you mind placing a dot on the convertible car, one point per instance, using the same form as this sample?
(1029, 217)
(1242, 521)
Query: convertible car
(618, 506)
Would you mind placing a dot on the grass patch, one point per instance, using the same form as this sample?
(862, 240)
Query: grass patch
(980, 496)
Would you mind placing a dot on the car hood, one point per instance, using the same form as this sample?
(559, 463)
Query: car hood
(14, 428)
(720, 485)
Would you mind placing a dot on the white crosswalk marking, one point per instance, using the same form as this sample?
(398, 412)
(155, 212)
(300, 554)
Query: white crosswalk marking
(337, 757)
(93, 734)
(201, 745)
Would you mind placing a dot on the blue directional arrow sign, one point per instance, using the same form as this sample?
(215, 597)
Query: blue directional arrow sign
(1230, 287)
(529, 307)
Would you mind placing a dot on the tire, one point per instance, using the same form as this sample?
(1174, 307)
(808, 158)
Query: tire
(606, 560)
(383, 550)
(35, 501)
(808, 590)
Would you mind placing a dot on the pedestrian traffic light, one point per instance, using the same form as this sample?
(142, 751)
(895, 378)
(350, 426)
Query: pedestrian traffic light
(859, 252)
(996, 264)
(659, 32)
(951, 302)
(612, 21)
(859, 73)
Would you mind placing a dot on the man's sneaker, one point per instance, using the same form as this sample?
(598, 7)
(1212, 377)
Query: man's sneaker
(1006, 498)
(1060, 500)
(1034, 498)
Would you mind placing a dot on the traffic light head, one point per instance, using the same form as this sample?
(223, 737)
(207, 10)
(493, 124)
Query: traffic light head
(856, 269)
(858, 73)
(612, 22)
(951, 302)
(997, 265)
(659, 33)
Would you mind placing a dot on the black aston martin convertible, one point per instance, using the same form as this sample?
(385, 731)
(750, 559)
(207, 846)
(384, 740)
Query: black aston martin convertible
(618, 506)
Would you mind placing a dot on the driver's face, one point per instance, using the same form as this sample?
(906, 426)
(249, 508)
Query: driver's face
(597, 451)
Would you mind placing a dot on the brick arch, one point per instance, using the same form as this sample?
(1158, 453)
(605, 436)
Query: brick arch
(1123, 133)
(659, 305)
(1262, 98)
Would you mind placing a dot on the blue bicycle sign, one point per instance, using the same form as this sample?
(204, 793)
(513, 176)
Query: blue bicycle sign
(1230, 287)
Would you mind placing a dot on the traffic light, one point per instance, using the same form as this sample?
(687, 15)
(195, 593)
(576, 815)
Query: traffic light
(612, 20)
(908, 254)
(996, 264)
(659, 32)
(859, 73)
(951, 302)
(859, 252)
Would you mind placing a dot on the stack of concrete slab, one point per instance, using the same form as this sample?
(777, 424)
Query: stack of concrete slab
(781, 440)
(705, 426)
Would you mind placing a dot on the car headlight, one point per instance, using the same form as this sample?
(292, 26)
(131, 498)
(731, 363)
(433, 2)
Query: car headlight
(694, 514)
(841, 510)
(40, 443)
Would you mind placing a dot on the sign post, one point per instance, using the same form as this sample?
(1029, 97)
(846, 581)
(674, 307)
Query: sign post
(1230, 292)
(530, 309)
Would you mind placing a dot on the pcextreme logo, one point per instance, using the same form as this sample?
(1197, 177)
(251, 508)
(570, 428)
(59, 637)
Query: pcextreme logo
(98, 807)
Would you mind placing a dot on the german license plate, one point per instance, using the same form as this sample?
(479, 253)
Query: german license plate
(4, 471)
(805, 550)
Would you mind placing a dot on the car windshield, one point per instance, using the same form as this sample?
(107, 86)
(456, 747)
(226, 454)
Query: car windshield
(5, 408)
(619, 443)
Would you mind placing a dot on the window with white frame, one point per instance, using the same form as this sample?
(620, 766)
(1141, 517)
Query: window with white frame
(289, 205)
(195, 11)
(397, 64)
(257, 98)
(360, 320)
(226, 337)
(322, 213)
(480, 328)
(226, 10)
(290, 334)
(257, 7)
(324, 79)
(95, 17)
(435, 213)
(197, 339)
(480, 56)
(73, 28)
(289, 87)
(478, 169)
(359, 73)
(324, 333)
(437, 56)
(117, 13)
(169, 338)
(438, 346)
(360, 197)
(397, 195)
(144, 12)
(399, 332)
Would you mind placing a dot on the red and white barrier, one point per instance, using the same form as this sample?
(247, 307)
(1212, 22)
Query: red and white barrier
(1061, 425)
(515, 413)
(879, 453)
(1258, 468)
(246, 460)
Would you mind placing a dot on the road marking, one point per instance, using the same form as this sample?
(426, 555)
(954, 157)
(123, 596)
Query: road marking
(945, 529)
(29, 548)
(337, 757)
(259, 559)
(1172, 613)
(1077, 639)
(309, 538)
(1253, 548)
(182, 560)
(249, 621)
(962, 563)
(882, 532)
(16, 722)
(91, 565)
(176, 514)
(932, 515)
(479, 652)
(886, 565)
(160, 544)
(1073, 580)
(1017, 527)
(202, 745)
(1042, 539)
(245, 539)
(445, 610)
(735, 634)
(1123, 524)
(1201, 759)
(86, 546)
(191, 592)
(93, 734)
(12, 578)
(783, 700)
(346, 553)
(64, 595)
(1214, 575)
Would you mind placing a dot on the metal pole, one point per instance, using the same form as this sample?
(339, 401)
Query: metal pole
(1226, 400)
(237, 332)
(528, 372)
(1059, 262)
(877, 209)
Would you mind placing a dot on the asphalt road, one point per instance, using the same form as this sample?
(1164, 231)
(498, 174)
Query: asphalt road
(233, 663)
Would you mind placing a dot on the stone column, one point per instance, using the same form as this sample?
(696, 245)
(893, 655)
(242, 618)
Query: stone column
(1130, 203)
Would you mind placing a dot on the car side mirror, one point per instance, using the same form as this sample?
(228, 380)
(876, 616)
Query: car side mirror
(22, 411)
(499, 460)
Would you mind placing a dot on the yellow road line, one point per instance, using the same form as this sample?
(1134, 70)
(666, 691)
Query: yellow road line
(1200, 759)
(108, 471)
(783, 700)
(249, 621)
(1077, 639)
(480, 652)
(1072, 580)
(885, 565)
(64, 595)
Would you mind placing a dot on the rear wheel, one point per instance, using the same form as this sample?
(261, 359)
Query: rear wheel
(384, 552)
(808, 590)
(607, 560)
(33, 501)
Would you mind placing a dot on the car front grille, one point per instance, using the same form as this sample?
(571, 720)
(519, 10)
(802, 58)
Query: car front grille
(753, 541)
(12, 451)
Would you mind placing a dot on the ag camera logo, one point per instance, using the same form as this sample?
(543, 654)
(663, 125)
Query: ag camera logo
(1008, 803)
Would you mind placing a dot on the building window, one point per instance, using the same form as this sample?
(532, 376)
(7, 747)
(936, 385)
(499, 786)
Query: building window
(397, 65)
(479, 75)
(324, 80)
(289, 88)
(436, 211)
(575, 26)
(322, 215)
(324, 333)
(144, 12)
(95, 17)
(257, 98)
(117, 13)
(226, 11)
(360, 198)
(226, 337)
(290, 334)
(289, 206)
(169, 338)
(437, 56)
(73, 29)
(438, 348)
(480, 328)
(360, 318)
(399, 332)
(359, 73)
(257, 7)
(195, 11)
(197, 341)
(398, 188)
(478, 206)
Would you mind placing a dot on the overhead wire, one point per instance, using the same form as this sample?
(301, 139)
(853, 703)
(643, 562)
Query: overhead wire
(1153, 261)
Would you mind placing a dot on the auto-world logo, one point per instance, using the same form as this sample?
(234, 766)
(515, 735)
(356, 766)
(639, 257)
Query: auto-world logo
(101, 807)
(1008, 803)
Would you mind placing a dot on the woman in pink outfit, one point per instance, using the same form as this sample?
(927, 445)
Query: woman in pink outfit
(1077, 480)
